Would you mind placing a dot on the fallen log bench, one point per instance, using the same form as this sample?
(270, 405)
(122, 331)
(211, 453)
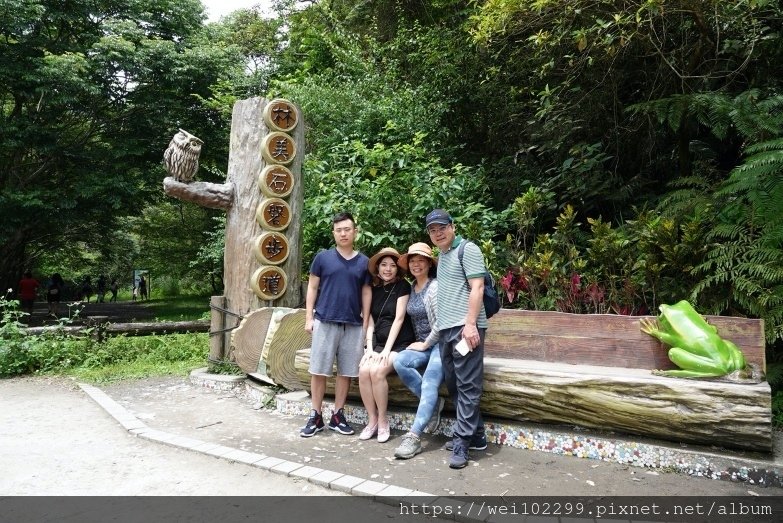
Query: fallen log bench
(128, 329)
(594, 370)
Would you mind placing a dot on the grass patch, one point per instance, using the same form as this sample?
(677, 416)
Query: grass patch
(179, 308)
(224, 367)
(83, 357)
(135, 357)
(116, 358)
(135, 370)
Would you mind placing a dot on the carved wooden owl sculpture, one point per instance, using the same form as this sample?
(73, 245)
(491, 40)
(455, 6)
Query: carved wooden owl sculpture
(181, 156)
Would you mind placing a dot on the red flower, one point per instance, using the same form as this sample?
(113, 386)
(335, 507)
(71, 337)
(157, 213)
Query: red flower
(508, 284)
(576, 280)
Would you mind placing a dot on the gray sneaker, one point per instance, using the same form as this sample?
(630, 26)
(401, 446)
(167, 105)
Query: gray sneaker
(432, 426)
(459, 456)
(410, 446)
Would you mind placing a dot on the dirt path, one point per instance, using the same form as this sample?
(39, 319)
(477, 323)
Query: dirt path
(57, 441)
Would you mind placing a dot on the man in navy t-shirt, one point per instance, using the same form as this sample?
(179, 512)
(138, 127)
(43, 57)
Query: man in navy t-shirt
(338, 305)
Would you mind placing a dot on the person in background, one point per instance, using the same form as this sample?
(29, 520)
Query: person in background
(100, 289)
(143, 289)
(388, 332)
(54, 292)
(424, 353)
(114, 287)
(86, 289)
(461, 317)
(28, 288)
(337, 309)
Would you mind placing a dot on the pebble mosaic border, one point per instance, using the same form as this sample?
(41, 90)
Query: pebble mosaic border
(201, 378)
(515, 435)
(569, 444)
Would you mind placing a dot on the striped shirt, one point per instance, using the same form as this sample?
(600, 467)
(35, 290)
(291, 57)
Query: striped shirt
(453, 288)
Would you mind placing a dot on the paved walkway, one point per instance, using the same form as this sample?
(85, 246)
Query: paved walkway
(239, 428)
(230, 435)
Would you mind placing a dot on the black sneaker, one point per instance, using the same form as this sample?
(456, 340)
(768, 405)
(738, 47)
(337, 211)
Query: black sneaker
(477, 442)
(315, 423)
(459, 456)
(338, 423)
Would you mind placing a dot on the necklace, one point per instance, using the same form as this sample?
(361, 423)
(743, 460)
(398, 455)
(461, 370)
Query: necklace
(388, 295)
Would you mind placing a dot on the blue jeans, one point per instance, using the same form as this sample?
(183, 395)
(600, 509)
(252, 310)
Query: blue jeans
(426, 386)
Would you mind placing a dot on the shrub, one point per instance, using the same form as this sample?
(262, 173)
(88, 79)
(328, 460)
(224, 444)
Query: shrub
(169, 286)
(23, 353)
(390, 189)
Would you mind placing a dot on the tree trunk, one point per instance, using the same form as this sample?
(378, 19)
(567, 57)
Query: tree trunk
(131, 329)
(244, 165)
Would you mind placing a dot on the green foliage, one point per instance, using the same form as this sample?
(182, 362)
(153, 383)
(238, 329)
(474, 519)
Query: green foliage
(579, 65)
(626, 269)
(527, 211)
(209, 258)
(92, 92)
(740, 270)
(775, 380)
(121, 357)
(390, 189)
(168, 286)
(225, 367)
(777, 408)
(22, 353)
(171, 236)
(758, 184)
(115, 358)
(151, 349)
(743, 274)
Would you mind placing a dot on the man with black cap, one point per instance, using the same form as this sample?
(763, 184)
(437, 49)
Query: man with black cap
(462, 324)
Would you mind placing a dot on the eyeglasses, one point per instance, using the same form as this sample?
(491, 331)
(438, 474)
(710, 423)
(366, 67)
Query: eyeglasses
(435, 229)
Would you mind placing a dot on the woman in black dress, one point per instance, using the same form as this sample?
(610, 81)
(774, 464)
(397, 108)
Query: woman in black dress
(390, 331)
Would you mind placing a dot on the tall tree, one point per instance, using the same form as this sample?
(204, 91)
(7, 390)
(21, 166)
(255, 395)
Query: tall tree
(580, 64)
(90, 94)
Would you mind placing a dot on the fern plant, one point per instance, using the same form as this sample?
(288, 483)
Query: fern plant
(744, 265)
(741, 271)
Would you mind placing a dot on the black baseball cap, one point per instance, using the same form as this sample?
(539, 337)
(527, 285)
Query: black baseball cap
(438, 216)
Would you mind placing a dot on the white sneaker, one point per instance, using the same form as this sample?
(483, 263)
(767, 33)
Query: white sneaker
(432, 426)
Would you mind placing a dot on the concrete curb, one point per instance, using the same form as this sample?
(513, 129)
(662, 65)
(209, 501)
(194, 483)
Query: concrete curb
(653, 455)
(647, 454)
(381, 492)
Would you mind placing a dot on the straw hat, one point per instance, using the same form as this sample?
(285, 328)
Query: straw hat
(422, 249)
(386, 251)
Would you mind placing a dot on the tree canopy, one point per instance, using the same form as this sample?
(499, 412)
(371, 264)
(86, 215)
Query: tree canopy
(607, 155)
(90, 94)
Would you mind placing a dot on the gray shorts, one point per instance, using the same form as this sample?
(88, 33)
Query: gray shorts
(336, 339)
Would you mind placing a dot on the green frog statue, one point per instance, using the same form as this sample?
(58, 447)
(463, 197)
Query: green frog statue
(695, 345)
